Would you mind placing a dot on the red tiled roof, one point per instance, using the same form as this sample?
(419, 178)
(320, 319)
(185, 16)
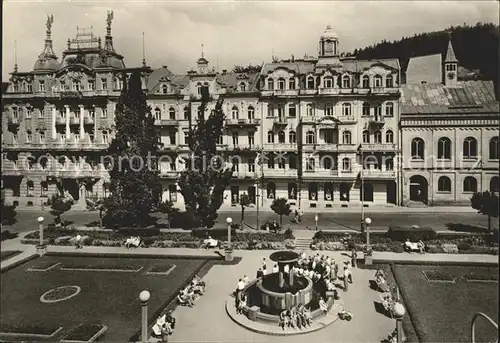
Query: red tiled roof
(466, 97)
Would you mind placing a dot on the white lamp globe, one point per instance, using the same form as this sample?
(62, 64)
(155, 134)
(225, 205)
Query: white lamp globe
(40, 219)
(399, 310)
(368, 221)
(144, 296)
(229, 220)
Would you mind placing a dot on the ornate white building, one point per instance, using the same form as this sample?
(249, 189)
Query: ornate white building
(449, 133)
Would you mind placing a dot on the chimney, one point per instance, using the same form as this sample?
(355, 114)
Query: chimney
(224, 71)
(164, 67)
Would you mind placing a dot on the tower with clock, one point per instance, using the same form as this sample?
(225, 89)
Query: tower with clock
(450, 66)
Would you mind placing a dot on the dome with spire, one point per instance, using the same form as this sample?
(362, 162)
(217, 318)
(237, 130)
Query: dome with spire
(46, 63)
(329, 34)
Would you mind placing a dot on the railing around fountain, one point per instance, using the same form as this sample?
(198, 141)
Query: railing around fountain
(476, 316)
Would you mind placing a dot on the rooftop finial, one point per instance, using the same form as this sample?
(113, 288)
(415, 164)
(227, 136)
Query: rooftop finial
(143, 51)
(202, 53)
(109, 20)
(15, 56)
(50, 21)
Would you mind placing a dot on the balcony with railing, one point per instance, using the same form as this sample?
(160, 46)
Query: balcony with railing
(280, 147)
(378, 174)
(278, 172)
(238, 122)
(328, 91)
(377, 147)
(280, 121)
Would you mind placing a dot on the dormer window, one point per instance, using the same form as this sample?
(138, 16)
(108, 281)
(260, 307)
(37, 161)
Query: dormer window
(377, 81)
(118, 84)
(157, 113)
(291, 83)
(15, 88)
(365, 81)
(29, 112)
(346, 81)
(310, 82)
(29, 136)
(15, 113)
(270, 84)
(281, 84)
(41, 86)
(77, 86)
(389, 81)
(198, 87)
(328, 82)
(164, 89)
(242, 87)
(91, 85)
(29, 87)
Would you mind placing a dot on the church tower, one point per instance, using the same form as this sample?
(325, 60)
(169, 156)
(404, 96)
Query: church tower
(450, 66)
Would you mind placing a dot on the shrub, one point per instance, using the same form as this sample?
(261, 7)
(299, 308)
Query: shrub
(141, 232)
(6, 234)
(464, 246)
(148, 241)
(396, 247)
(414, 234)
(215, 233)
(270, 223)
(289, 234)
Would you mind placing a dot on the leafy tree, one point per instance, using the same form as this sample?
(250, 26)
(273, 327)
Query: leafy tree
(167, 207)
(97, 204)
(244, 203)
(485, 203)
(281, 207)
(134, 181)
(9, 213)
(59, 204)
(247, 69)
(205, 178)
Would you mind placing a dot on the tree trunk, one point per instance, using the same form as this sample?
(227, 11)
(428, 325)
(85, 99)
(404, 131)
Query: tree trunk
(242, 217)
(100, 220)
(489, 223)
(281, 220)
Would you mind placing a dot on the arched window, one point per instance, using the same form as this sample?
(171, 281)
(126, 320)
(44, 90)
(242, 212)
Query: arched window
(470, 184)
(186, 113)
(164, 89)
(105, 137)
(328, 82)
(270, 84)
(328, 162)
(494, 148)
(310, 164)
(198, 87)
(157, 113)
(346, 164)
(346, 81)
(365, 81)
(29, 137)
(377, 81)
(291, 83)
(281, 84)
(366, 109)
(43, 162)
(310, 82)
(271, 190)
(242, 86)
(389, 81)
(171, 113)
(417, 149)
(389, 136)
(346, 137)
(310, 110)
(377, 137)
(234, 112)
(310, 137)
(292, 137)
(30, 187)
(270, 137)
(444, 184)
(251, 112)
(470, 147)
(389, 109)
(444, 148)
(494, 184)
(366, 137)
(346, 109)
(281, 137)
(44, 187)
(41, 135)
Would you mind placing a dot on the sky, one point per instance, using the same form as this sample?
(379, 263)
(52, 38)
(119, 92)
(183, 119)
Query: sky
(232, 32)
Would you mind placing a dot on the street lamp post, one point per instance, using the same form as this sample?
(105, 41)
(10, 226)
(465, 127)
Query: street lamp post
(144, 297)
(368, 253)
(229, 250)
(316, 218)
(41, 249)
(399, 312)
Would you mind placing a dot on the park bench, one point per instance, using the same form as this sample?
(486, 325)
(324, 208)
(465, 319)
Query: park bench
(388, 303)
(411, 247)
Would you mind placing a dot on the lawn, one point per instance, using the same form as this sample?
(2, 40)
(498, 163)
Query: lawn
(109, 293)
(442, 311)
(4, 255)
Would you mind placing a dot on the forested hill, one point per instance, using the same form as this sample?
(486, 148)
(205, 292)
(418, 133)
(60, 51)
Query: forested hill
(476, 48)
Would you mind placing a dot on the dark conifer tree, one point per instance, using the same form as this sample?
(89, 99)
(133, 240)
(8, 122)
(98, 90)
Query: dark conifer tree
(135, 185)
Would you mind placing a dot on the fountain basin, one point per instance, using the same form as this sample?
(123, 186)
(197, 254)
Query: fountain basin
(284, 298)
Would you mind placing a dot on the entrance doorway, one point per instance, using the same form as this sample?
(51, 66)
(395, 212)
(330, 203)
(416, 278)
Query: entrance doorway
(391, 192)
(366, 192)
(252, 194)
(419, 189)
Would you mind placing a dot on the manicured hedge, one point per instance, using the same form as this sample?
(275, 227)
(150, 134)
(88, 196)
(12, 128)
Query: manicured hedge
(215, 233)
(414, 234)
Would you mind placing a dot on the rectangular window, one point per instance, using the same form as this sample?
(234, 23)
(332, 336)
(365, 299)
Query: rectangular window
(235, 138)
(104, 112)
(292, 111)
(29, 88)
(104, 83)
(270, 111)
(41, 86)
(29, 112)
(91, 85)
(251, 139)
(172, 138)
(251, 165)
(281, 111)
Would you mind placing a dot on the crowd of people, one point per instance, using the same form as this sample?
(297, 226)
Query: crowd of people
(297, 317)
(164, 326)
(191, 292)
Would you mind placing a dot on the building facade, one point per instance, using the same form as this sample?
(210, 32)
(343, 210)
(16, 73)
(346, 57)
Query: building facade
(449, 131)
(322, 132)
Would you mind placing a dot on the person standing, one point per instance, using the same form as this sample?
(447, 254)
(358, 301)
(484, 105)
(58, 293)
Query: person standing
(347, 277)
(354, 256)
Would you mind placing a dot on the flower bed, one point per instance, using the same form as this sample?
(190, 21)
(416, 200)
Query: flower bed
(240, 240)
(379, 241)
(28, 330)
(85, 333)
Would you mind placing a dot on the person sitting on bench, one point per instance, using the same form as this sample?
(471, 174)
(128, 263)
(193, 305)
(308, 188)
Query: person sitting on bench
(322, 305)
(242, 304)
(169, 318)
(210, 243)
(133, 242)
(184, 299)
(409, 246)
(199, 282)
(284, 321)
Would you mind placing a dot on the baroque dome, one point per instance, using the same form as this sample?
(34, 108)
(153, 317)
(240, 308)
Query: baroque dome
(46, 63)
(329, 34)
